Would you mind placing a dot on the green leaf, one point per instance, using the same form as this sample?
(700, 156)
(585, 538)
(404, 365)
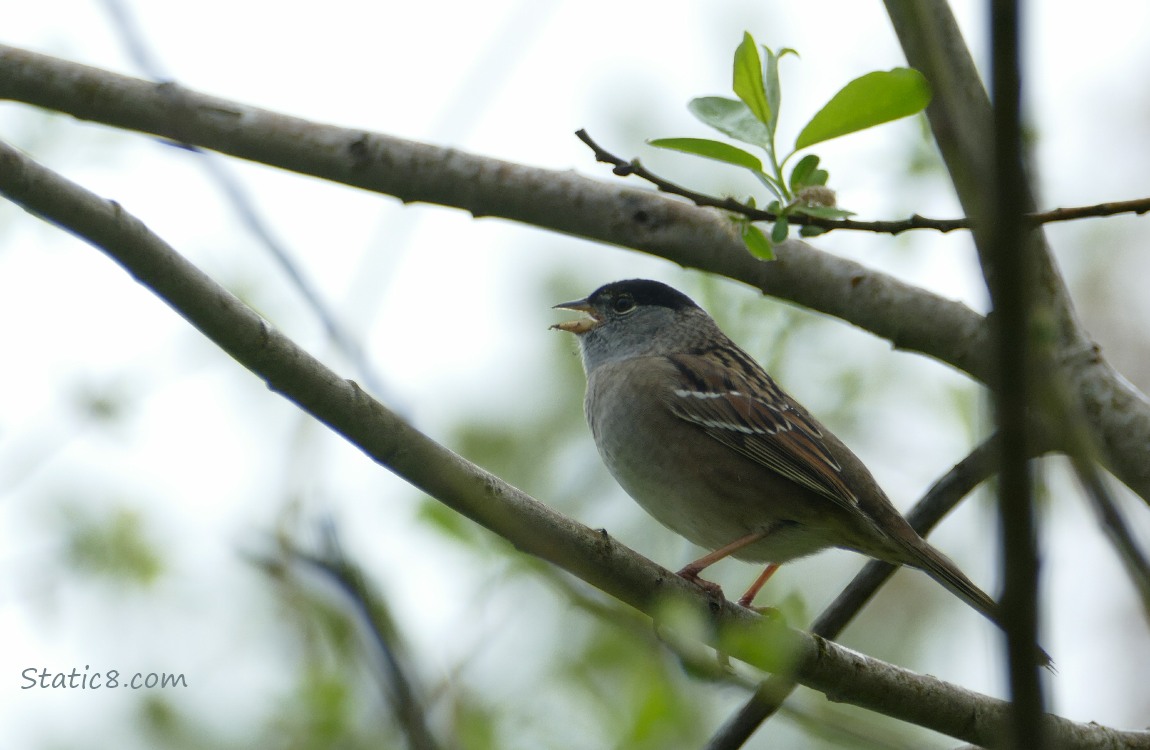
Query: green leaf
(780, 229)
(748, 80)
(709, 149)
(818, 177)
(809, 230)
(771, 85)
(867, 101)
(731, 117)
(757, 242)
(800, 175)
(116, 545)
(822, 212)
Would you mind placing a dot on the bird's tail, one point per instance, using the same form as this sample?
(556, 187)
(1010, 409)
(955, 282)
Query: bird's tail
(939, 567)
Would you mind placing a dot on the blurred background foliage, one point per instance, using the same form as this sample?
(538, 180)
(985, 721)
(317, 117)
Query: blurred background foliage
(157, 499)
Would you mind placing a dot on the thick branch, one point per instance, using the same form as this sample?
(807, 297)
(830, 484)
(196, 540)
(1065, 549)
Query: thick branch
(532, 527)
(909, 317)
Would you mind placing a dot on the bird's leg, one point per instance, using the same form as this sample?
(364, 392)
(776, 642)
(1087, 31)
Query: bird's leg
(747, 598)
(691, 571)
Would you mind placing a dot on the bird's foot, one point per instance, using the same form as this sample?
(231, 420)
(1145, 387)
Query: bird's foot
(691, 573)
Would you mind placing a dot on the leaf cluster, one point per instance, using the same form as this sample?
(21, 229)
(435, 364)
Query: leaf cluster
(752, 118)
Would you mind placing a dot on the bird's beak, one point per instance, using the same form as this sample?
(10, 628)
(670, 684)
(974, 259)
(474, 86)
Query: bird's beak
(582, 325)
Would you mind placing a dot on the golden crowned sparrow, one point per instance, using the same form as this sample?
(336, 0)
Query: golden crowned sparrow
(702, 437)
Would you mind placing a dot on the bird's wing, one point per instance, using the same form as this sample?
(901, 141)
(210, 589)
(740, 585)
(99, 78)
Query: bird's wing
(734, 401)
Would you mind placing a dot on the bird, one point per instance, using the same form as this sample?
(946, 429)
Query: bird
(698, 433)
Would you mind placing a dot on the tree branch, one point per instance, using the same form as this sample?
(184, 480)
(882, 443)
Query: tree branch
(1012, 257)
(371, 613)
(532, 527)
(624, 168)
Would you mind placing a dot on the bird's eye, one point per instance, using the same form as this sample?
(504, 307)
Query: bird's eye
(623, 304)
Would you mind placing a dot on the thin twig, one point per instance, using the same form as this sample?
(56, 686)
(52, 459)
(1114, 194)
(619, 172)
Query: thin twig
(1114, 526)
(1081, 447)
(625, 168)
(372, 613)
